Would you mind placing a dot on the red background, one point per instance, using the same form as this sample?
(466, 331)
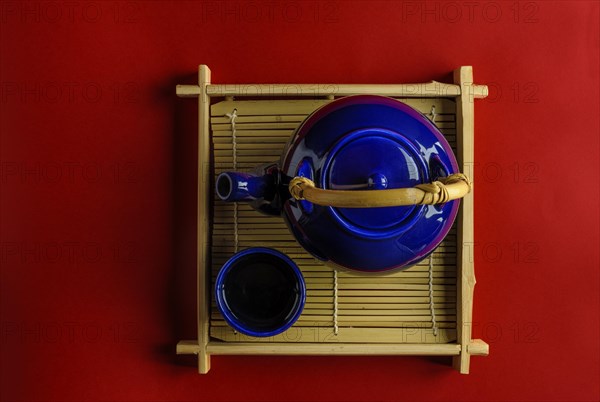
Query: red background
(98, 191)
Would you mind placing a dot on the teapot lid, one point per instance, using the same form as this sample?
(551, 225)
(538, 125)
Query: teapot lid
(374, 159)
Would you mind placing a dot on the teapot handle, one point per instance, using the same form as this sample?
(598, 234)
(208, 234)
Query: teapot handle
(438, 192)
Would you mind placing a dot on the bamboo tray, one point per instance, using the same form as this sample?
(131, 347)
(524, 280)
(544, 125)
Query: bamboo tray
(424, 310)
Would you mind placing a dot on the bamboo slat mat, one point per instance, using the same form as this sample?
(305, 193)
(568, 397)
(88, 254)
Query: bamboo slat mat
(375, 308)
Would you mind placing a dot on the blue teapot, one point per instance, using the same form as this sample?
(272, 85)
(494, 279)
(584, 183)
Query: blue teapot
(365, 183)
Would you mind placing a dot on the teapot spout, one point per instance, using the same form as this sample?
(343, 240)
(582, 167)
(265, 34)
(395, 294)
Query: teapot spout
(234, 186)
(260, 191)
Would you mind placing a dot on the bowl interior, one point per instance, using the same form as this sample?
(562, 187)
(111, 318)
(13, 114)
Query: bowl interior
(261, 291)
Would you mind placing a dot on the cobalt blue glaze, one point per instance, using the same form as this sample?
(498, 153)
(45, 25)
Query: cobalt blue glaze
(260, 292)
(366, 143)
(242, 186)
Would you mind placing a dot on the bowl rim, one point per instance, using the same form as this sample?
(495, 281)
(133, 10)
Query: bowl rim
(230, 317)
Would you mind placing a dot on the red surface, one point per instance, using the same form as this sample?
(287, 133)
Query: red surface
(98, 191)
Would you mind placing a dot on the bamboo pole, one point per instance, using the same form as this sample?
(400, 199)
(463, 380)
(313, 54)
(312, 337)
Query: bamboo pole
(465, 113)
(431, 89)
(221, 348)
(203, 235)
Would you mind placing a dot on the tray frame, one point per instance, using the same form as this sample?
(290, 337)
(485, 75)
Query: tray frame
(464, 92)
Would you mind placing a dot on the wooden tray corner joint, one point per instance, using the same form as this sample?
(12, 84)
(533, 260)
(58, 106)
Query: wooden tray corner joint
(424, 310)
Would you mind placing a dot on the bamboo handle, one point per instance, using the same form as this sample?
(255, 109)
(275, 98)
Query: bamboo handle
(438, 192)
